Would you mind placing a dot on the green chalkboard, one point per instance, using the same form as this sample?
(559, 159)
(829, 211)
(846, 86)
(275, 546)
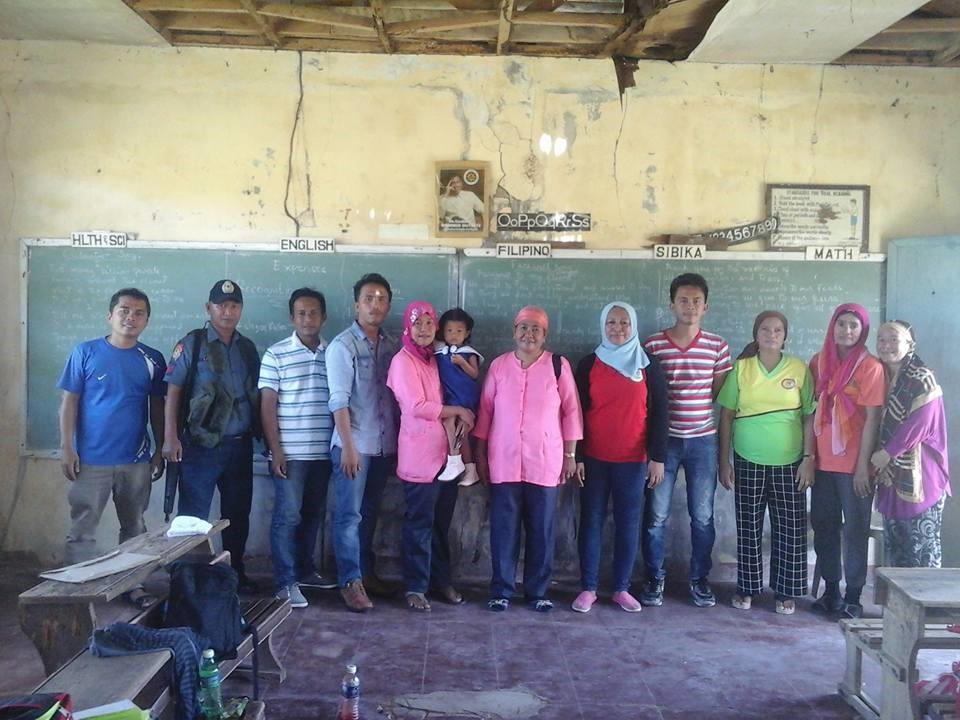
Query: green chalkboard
(68, 291)
(573, 291)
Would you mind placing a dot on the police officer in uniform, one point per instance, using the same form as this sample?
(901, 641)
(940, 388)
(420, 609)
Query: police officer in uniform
(212, 414)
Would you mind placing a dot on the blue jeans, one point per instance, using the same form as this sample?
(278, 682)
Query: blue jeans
(356, 505)
(299, 504)
(535, 506)
(426, 525)
(228, 467)
(837, 512)
(625, 481)
(698, 457)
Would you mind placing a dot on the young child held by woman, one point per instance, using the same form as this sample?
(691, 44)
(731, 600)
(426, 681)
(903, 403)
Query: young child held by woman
(459, 366)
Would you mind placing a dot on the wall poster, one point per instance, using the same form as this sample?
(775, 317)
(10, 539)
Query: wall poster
(820, 215)
(462, 194)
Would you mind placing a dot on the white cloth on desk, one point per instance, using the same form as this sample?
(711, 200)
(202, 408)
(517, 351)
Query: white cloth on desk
(188, 525)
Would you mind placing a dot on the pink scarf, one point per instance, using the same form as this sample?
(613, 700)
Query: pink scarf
(834, 374)
(414, 310)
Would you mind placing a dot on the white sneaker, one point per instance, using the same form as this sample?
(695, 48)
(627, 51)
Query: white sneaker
(453, 469)
(293, 594)
(470, 476)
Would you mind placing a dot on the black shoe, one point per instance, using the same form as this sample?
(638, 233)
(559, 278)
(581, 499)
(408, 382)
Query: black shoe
(652, 593)
(246, 584)
(541, 606)
(828, 603)
(498, 604)
(701, 594)
(852, 610)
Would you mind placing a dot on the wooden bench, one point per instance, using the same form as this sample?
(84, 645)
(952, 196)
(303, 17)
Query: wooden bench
(146, 678)
(59, 617)
(865, 636)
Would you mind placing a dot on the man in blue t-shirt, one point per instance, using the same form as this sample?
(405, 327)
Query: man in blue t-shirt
(111, 387)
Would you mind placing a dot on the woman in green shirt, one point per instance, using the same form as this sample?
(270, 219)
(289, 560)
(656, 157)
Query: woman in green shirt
(768, 402)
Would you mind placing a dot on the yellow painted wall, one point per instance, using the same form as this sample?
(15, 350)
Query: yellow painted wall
(199, 144)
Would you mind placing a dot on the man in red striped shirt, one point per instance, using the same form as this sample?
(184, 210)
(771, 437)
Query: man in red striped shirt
(695, 362)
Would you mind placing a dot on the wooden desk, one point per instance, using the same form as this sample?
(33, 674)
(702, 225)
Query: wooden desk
(912, 598)
(59, 617)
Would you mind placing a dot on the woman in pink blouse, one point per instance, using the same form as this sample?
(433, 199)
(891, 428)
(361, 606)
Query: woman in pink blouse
(527, 430)
(421, 454)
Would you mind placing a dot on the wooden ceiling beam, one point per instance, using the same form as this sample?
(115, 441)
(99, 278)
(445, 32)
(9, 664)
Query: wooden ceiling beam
(947, 55)
(642, 11)
(322, 15)
(201, 22)
(295, 29)
(468, 5)
(455, 21)
(505, 25)
(873, 58)
(565, 19)
(152, 20)
(326, 16)
(217, 40)
(925, 25)
(266, 29)
(349, 45)
(543, 6)
(226, 6)
(379, 9)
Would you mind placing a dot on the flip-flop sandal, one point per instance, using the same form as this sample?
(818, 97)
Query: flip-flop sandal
(140, 598)
(448, 595)
(417, 602)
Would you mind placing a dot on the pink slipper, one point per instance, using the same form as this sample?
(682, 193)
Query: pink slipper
(584, 601)
(627, 602)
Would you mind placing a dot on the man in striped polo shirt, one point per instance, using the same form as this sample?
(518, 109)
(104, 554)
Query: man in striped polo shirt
(297, 425)
(695, 362)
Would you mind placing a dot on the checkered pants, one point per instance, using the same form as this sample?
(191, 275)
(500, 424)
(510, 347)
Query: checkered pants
(757, 487)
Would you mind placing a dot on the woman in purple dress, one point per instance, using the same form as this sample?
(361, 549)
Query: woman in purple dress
(910, 462)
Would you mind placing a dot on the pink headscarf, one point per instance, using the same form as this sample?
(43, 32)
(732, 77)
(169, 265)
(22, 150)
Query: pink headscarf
(414, 310)
(833, 375)
(534, 314)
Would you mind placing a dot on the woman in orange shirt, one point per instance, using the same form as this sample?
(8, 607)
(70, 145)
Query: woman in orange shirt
(850, 390)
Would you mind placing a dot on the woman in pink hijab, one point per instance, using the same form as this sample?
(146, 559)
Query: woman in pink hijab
(527, 429)
(850, 390)
(421, 455)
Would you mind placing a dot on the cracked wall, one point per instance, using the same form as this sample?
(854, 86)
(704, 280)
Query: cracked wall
(209, 145)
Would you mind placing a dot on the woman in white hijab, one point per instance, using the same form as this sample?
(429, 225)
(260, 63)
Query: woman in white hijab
(623, 394)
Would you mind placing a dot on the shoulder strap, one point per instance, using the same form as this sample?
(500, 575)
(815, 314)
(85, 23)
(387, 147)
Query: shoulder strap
(251, 358)
(184, 410)
(557, 365)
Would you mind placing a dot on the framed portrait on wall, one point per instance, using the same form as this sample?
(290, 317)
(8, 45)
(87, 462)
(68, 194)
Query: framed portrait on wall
(461, 190)
(820, 216)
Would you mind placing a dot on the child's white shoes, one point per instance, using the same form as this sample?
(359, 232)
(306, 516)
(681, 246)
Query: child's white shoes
(470, 476)
(453, 469)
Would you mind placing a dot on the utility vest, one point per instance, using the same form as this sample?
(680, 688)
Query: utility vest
(208, 402)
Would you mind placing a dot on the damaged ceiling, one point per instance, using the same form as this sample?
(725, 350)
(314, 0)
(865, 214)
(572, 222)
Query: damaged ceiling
(876, 32)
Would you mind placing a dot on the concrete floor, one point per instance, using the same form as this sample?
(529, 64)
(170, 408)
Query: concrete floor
(672, 662)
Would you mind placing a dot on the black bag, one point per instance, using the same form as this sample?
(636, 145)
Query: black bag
(40, 706)
(204, 597)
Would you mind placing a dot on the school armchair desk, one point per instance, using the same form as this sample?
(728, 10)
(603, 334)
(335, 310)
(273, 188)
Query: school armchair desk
(59, 617)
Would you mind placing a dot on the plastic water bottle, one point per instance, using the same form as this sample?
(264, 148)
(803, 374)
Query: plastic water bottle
(211, 700)
(349, 695)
